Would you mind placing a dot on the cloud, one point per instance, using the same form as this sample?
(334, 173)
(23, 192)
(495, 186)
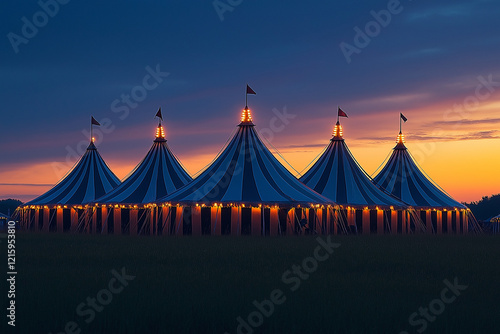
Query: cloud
(423, 52)
(377, 139)
(466, 122)
(305, 145)
(398, 98)
(491, 134)
(439, 12)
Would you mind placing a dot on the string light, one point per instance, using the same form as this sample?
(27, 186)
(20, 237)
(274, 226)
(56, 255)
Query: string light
(401, 138)
(246, 116)
(337, 131)
(160, 133)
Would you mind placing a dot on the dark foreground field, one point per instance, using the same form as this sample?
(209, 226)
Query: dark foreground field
(203, 284)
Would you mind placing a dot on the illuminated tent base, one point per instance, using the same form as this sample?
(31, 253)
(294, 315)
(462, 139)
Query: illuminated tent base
(375, 221)
(51, 219)
(443, 221)
(131, 220)
(244, 220)
(206, 220)
(239, 220)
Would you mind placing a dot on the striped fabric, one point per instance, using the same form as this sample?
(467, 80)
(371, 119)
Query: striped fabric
(157, 175)
(403, 179)
(246, 172)
(338, 176)
(88, 180)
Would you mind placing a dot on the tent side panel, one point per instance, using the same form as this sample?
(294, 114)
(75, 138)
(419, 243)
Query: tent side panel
(104, 221)
(274, 230)
(46, 219)
(178, 221)
(290, 225)
(74, 219)
(134, 214)
(448, 222)
(439, 222)
(235, 221)
(60, 220)
(256, 228)
(466, 222)
(366, 222)
(215, 220)
(196, 220)
(428, 222)
(380, 222)
(37, 219)
(117, 221)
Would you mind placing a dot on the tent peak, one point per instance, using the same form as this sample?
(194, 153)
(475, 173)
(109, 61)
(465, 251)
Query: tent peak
(246, 117)
(160, 134)
(92, 145)
(337, 132)
(400, 142)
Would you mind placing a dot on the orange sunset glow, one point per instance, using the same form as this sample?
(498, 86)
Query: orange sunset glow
(455, 150)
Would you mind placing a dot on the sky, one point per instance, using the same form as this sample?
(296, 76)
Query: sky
(434, 61)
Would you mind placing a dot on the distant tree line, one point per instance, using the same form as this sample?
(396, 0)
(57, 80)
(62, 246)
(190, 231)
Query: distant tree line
(485, 208)
(9, 205)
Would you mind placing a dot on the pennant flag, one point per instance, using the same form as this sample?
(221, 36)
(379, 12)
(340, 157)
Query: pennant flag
(158, 114)
(94, 122)
(403, 117)
(342, 113)
(250, 90)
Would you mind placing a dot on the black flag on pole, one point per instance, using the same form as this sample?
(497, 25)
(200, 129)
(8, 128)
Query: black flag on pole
(250, 90)
(158, 114)
(342, 113)
(93, 121)
(403, 117)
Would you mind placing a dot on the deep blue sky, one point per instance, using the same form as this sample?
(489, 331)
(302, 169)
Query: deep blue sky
(90, 53)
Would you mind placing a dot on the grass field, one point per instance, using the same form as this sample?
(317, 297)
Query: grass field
(370, 284)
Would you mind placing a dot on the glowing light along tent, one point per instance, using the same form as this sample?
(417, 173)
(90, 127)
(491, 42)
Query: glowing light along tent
(365, 207)
(402, 178)
(60, 208)
(125, 208)
(244, 191)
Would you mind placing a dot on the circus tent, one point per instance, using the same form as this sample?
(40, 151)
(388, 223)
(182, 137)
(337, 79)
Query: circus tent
(123, 209)
(246, 190)
(365, 207)
(438, 211)
(60, 208)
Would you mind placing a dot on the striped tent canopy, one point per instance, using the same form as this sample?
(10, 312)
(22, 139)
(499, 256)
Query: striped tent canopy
(88, 180)
(338, 176)
(246, 172)
(403, 179)
(158, 174)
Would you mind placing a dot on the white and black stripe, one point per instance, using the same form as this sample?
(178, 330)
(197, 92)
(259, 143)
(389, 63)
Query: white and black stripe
(338, 176)
(246, 172)
(157, 175)
(403, 179)
(89, 179)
